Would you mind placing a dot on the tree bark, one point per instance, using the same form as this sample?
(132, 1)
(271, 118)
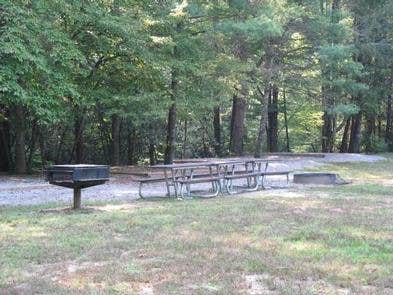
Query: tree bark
(389, 124)
(104, 134)
(237, 126)
(5, 160)
(329, 118)
(335, 11)
(132, 140)
(170, 150)
(273, 120)
(171, 135)
(354, 144)
(288, 148)
(115, 140)
(328, 124)
(43, 151)
(152, 153)
(33, 141)
(20, 153)
(78, 135)
(344, 141)
(185, 138)
(60, 145)
(205, 151)
(217, 131)
(379, 126)
(370, 133)
(263, 120)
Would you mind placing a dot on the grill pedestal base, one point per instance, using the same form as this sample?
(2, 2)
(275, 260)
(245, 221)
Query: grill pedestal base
(77, 198)
(77, 177)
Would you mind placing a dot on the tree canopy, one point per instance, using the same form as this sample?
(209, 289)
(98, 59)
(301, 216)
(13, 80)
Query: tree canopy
(132, 82)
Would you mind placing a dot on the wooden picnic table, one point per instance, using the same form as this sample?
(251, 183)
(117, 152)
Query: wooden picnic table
(175, 174)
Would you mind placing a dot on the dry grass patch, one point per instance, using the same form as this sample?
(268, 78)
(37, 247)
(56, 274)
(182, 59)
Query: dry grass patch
(324, 240)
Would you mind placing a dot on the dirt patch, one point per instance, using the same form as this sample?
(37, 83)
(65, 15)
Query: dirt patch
(265, 284)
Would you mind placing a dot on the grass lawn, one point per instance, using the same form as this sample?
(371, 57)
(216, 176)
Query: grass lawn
(324, 240)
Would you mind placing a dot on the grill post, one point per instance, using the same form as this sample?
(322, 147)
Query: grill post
(77, 198)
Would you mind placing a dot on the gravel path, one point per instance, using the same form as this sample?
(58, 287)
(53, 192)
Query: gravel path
(15, 191)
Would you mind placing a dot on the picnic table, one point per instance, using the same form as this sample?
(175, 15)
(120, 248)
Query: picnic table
(220, 173)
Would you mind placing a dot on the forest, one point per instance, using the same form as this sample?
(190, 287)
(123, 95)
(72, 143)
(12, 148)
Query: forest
(126, 82)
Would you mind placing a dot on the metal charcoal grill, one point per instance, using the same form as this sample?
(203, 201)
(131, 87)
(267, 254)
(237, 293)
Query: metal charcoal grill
(77, 177)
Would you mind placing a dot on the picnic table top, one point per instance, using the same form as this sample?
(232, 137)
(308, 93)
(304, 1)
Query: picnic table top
(213, 163)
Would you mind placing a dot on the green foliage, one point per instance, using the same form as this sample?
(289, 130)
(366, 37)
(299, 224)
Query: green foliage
(62, 60)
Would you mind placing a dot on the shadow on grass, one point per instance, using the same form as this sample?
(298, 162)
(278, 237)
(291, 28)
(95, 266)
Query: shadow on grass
(70, 211)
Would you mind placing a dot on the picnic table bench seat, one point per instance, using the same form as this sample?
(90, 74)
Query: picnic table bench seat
(197, 178)
(214, 180)
(244, 174)
(258, 176)
(274, 173)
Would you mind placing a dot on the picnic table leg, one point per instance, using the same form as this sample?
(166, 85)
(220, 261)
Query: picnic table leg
(248, 179)
(190, 176)
(233, 173)
(174, 182)
(182, 191)
(213, 183)
(167, 183)
(140, 190)
(264, 176)
(260, 177)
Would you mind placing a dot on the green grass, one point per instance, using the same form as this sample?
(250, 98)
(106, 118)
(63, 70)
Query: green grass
(338, 238)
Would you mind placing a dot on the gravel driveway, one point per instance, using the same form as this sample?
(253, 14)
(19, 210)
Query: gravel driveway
(33, 190)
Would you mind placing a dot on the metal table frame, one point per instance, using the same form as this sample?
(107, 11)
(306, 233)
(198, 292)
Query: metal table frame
(175, 172)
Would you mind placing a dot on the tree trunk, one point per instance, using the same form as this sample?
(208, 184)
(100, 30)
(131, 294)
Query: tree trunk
(328, 125)
(322, 6)
(379, 127)
(115, 140)
(237, 126)
(185, 135)
(370, 132)
(5, 159)
(328, 94)
(60, 145)
(34, 135)
(78, 135)
(171, 135)
(265, 97)
(152, 153)
(132, 140)
(43, 152)
(288, 148)
(104, 134)
(273, 120)
(354, 144)
(335, 11)
(205, 151)
(217, 131)
(389, 124)
(344, 142)
(170, 150)
(20, 155)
